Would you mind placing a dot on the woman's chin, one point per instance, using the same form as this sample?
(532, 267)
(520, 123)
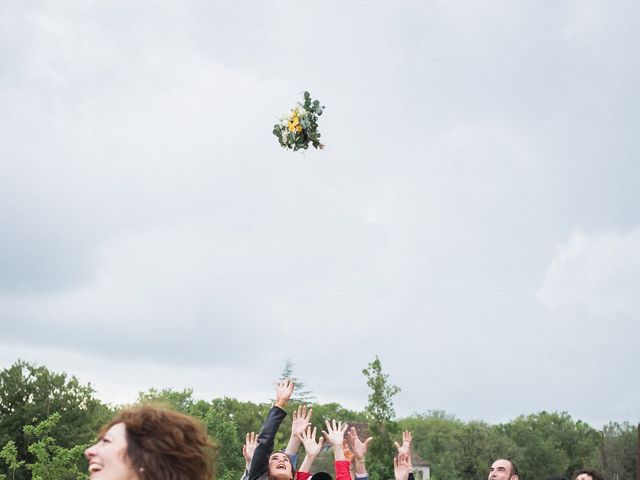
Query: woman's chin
(281, 475)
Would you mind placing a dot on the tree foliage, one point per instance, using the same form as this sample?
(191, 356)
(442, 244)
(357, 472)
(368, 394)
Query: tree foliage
(51, 461)
(301, 394)
(30, 394)
(618, 451)
(47, 419)
(380, 414)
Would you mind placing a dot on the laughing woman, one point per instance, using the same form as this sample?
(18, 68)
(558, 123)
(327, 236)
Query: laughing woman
(266, 462)
(151, 443)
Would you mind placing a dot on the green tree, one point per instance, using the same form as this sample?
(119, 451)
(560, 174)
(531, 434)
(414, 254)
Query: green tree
(436, 439)
(248, 416)
(380, 414)
(540, 455)
(31, 394)
(51, 461)
(618, 452)
(9, 454)
(301, 394)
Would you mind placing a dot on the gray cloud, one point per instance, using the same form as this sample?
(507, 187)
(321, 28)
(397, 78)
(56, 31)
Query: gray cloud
(150, 219)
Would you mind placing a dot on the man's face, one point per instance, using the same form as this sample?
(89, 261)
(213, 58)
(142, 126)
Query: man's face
(584, 476)
(500, 470)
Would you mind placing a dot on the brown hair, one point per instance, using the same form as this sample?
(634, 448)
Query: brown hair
(594, 474)
(165, 445)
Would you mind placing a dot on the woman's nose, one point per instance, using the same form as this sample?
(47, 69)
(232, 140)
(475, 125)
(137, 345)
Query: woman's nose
(90, 452)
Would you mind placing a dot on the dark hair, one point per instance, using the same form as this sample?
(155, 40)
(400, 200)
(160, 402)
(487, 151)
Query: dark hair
(594, 474)
(165, 445)
(514, 469)
(293, 469)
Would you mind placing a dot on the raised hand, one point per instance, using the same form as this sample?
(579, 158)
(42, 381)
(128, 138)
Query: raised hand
(308, 438)
(250, 444)
(335, 433)
(284, 390)
(358, 447)
(301, 420)
(405, 448)
(401, 466)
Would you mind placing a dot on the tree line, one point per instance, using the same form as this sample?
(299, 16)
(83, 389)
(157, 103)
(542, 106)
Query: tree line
(47, 419)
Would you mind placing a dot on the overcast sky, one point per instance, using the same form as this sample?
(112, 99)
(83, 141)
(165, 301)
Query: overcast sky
(474, 219)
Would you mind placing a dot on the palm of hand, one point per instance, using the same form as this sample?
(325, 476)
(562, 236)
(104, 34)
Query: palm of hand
(311, 446)
(404, 448)
(248, 451)
(335, 437)
(299, 425)
(401, 472)
(358, 448)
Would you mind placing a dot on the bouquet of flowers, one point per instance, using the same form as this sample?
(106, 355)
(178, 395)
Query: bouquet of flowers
(299, 128)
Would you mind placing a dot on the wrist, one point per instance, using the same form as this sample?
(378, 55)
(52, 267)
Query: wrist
(281, 403)
(360, 460)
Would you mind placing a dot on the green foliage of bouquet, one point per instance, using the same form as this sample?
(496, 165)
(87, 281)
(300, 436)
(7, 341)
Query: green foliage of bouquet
(299, 128)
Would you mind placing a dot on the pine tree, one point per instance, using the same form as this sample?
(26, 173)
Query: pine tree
(300, 394)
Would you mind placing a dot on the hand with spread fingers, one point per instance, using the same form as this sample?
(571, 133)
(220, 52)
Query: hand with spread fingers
(301, 420)
(312, 449)
(359, 449)
(250, 444)
(405, 448)
(401, 467)
(335, 436)
(284, 390)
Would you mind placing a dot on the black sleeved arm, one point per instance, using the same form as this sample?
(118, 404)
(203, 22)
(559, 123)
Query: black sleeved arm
(266, 438)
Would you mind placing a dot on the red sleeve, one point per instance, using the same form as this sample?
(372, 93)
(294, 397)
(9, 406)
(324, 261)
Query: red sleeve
(302, 475)
(342, 470)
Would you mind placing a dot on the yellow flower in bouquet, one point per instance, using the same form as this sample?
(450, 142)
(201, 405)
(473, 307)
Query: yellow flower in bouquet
(299, 127)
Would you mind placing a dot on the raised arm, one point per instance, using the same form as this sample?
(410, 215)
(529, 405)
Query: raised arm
(405, 448)
(301, 420)
(264, 448)
(312, 449)
(335, 437)
(250, 444)
(401, 468)
(359, 449)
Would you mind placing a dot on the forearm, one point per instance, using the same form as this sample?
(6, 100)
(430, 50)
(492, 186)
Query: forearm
(260, 461)
(338, 453)
(306, 464)
(360, 467)
(293, 446)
